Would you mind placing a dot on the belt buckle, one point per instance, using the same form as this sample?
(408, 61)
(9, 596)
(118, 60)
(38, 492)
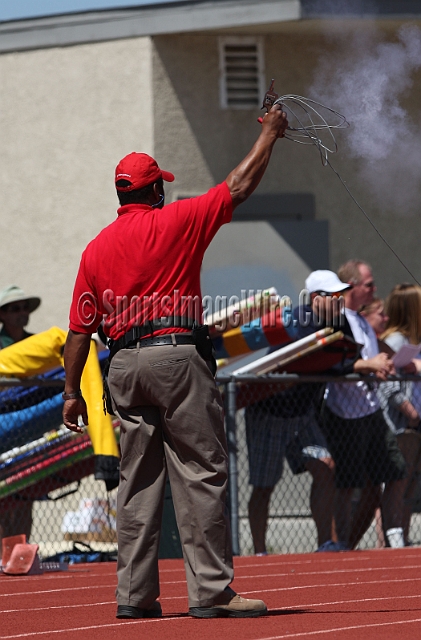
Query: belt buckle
(165, 322)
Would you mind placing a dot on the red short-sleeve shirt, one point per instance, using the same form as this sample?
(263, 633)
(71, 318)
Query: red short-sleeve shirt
(146, 264)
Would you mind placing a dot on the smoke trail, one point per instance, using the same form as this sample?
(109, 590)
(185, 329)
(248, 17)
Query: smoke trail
(365, 82)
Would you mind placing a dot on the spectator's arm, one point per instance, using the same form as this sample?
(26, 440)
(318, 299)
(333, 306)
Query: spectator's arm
(381, 365)
(410, 413)
(416, 366)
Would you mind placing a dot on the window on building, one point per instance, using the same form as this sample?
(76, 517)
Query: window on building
(241, 63)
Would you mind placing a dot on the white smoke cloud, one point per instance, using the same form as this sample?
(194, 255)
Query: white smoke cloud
(368, 82)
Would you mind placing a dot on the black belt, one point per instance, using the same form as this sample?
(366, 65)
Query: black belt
(137, 333)
(173, 338)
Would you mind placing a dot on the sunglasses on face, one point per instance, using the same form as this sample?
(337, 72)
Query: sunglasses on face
(326, 294)
(17, 307)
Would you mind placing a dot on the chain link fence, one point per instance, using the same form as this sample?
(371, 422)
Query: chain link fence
(279, 454)
(282, 475)
(47, 487)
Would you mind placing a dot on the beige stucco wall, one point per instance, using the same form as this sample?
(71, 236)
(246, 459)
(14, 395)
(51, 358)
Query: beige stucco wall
(67, 115)
(202, 141)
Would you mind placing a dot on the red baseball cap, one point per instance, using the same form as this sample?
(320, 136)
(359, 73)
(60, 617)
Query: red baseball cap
(140, 170)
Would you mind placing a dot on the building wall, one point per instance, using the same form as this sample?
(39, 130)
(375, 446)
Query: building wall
(67, 115)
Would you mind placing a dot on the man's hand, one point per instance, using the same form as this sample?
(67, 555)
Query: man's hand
(276, 121)
(413, 423)
(414, 367)
(72, 409)
(410, 368)
(381, 365)
(75, 354)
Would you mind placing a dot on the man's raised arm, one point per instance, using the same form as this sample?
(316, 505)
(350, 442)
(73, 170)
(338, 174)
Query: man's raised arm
(243, 180)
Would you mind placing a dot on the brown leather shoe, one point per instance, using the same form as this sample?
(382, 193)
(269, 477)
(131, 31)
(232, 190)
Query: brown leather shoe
(237, 607)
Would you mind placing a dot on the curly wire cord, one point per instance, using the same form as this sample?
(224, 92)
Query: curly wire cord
(307, 134)
(305, 109)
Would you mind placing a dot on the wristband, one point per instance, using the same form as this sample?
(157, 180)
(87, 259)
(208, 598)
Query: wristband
(71, 396)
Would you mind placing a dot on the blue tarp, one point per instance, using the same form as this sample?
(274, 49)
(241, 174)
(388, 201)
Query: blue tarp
(19, 427)
(26, 413)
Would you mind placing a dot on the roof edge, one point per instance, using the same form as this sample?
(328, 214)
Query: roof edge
(180, 17)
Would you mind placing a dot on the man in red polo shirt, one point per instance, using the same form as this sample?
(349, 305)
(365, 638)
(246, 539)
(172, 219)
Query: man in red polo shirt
(141, 277)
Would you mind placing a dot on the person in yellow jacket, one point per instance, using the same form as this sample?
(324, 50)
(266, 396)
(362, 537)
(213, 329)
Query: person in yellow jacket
(15, 309)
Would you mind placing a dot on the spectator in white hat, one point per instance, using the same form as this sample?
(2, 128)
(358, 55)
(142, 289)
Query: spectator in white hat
(15, 307)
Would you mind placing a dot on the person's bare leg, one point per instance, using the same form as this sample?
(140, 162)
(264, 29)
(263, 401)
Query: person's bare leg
(322, 497)
(411, 483)
(258, 516)
(343, 514)
(392, 503)
(410, 445)
(364, 512)
(380, 542)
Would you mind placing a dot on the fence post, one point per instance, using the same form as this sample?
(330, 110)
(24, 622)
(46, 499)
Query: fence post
(231, 407)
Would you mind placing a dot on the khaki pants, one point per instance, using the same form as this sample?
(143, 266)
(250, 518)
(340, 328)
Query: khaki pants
(171, 421)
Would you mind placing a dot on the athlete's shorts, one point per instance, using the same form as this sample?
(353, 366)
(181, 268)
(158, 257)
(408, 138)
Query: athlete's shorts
(271, 439)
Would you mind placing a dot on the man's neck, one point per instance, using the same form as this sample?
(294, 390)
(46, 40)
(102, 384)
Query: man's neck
(350, 304)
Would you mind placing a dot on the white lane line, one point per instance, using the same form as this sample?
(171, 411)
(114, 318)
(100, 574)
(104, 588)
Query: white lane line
(266, 576)
(306, 634)
(313, 573)
(126, 623)
(360, 583)
(321, 573)
(76, 572)
(161, 620)
(344, 556)
(350, 556)
(261, 591)
(354, 601)
(32, 593)
(65, 606)
(92, 604)
(292, 607)
(67, 575)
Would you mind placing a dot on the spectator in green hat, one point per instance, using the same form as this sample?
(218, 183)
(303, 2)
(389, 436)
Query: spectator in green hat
(15, 307)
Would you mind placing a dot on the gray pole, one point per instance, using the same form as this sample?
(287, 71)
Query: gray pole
(231, 408)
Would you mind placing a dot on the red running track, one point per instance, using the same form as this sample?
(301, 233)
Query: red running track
(337, 596)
